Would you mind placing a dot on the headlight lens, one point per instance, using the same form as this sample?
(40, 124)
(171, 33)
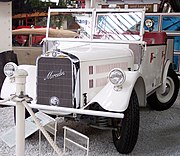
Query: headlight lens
(9, 69)
(117, 77)
(149, 23)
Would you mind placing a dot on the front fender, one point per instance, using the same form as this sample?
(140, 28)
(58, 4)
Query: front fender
(9, 88)
(118, 101)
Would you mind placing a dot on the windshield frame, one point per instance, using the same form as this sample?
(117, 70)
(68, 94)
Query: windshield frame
(93, 23)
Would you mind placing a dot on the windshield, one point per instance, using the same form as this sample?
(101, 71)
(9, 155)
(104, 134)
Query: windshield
(119, 26)
(71, 24)
(105, 25)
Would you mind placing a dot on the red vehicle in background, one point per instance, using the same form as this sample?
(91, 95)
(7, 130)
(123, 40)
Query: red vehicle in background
(27, 36)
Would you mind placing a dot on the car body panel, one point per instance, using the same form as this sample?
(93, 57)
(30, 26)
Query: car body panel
(117, 101)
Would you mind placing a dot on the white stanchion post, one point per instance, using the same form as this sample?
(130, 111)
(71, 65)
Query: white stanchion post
(20, 79)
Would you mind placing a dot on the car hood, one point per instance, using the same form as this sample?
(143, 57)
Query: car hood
(96, 51)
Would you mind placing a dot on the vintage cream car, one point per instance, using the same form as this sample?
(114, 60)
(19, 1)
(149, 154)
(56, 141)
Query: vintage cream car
(111, 68)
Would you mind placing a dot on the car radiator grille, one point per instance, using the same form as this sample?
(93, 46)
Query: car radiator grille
(54, 82)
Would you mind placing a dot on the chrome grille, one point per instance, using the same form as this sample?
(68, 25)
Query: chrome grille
(55, 82)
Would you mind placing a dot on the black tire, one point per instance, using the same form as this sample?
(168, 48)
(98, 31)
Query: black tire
(125, 137)
(159, 101)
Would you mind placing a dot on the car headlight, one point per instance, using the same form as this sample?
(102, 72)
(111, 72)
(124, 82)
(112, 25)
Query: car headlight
(117, 76)
(149, 23)
(9, 69)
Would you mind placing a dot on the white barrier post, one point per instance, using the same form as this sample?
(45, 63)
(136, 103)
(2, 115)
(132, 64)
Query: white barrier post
(20, 79)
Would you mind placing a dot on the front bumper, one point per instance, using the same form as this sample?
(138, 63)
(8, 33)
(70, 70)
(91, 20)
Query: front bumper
(62, 110)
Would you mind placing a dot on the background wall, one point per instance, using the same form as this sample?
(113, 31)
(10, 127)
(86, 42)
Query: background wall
(6, 26)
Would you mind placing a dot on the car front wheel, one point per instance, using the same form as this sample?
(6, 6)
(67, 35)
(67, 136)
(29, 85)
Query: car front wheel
(126, 130)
